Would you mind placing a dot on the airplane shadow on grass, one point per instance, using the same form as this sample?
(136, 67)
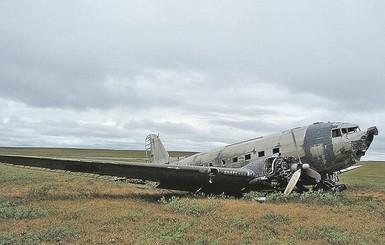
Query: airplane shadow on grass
(49, 194)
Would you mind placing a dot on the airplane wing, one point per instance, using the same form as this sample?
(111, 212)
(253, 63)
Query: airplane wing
(178, 177)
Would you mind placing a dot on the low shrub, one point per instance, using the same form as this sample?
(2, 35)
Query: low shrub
(52, 235)
(190, 206)
(310, 197)
(10, 209)
(276, 218)
(165, 231)
(334, 235)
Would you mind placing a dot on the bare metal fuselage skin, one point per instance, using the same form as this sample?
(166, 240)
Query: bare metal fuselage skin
(316, 146)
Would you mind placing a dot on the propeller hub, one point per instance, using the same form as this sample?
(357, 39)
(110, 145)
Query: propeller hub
(296, 166)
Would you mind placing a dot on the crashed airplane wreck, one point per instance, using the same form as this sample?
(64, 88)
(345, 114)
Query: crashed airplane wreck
(306, 157)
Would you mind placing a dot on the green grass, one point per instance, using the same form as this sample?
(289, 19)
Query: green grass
(190, 206)
(370, 176)
(51, 235)
(10, 176)
(276, 218)
(15, 209)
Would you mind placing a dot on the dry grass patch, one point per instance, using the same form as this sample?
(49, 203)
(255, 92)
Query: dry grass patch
(84, 210)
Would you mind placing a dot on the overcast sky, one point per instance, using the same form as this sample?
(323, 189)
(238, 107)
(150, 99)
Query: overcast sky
(202, 74)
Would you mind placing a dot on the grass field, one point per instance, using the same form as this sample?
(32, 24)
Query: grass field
(40, 207)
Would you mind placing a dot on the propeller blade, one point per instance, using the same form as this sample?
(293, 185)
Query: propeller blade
(293, 181)
(312, 173)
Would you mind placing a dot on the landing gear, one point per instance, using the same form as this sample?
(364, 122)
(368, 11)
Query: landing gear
(328, 186)
(301, 188)
(329, 183)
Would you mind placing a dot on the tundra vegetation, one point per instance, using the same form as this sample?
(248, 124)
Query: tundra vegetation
(43, 207)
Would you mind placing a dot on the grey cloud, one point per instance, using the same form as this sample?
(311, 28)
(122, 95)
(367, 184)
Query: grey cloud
(163, 127)
(306, 46)
(223, 64)
(63, 133)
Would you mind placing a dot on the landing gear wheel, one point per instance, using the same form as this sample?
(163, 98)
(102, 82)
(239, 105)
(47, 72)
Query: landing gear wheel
(339, 188)
(327, 186)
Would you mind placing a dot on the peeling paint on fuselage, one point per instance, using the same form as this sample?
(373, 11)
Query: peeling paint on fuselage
(318, 146)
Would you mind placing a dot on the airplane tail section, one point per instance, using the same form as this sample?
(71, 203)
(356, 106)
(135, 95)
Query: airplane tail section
(155, 151)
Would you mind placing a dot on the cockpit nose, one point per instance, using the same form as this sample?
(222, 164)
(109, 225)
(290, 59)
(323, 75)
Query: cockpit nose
(372, 131)
(361, 145)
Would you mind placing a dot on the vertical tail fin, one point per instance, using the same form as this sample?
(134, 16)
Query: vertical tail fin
(155, 151)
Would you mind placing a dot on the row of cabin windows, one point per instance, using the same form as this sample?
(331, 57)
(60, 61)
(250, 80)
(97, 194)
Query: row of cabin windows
(262, 153)
(248, 156)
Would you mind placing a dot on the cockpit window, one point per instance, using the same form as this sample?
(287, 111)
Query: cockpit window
(336, 132)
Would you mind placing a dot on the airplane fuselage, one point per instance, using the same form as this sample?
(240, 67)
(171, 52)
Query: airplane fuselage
(326, 147)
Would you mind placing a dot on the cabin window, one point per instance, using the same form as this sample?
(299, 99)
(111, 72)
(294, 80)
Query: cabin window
(210, 164)
(235, 159)
(336, 133)
(275, 150)
(261, 154)
(247, 157)
(223, 162)
(344, 130)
